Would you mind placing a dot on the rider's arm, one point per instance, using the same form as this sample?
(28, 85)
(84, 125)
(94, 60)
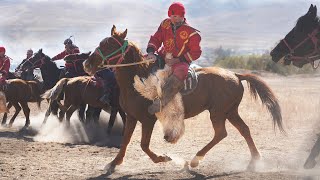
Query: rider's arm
(194, 51)
(59, 56)
(156, 40)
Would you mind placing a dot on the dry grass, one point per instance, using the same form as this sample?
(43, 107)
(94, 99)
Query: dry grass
(282, 156)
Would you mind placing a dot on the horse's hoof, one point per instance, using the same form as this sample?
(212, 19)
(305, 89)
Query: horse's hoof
(310, 164)
(110, 168)
(185, 167)
(165, 158)
(195, 161)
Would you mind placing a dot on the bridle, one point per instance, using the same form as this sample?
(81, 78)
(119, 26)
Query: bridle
(35, 64)
(124, 49)
(310, 57)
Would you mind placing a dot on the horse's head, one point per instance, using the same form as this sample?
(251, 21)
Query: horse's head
(301, 41)
(35, 61)
(110, 51)
(76, 57)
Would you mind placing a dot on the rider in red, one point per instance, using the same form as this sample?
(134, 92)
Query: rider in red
(178, 44)
(4, 65)
(70, 48)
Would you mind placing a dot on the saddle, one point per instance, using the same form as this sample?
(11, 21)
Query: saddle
(190, 83)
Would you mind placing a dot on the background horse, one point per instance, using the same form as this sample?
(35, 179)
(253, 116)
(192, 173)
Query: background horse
(49, 72)
(81, 90)
(21, 92)
(76, 61)
(219, 91)
(301, 46)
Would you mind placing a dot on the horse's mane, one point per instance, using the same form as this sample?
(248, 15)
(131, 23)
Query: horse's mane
(300, 24)
(49, 61)
(137, 54)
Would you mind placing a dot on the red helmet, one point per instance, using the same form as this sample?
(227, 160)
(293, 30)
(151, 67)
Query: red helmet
(176, 8)
(2, 49)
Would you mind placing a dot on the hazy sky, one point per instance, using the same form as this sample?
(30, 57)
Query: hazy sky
(239, 24)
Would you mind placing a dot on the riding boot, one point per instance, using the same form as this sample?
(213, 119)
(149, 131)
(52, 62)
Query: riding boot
(172, 86)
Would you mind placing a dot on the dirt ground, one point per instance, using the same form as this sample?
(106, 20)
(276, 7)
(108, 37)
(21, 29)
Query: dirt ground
(54, 151)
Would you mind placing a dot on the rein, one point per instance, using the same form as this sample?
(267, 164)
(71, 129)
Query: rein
(311, 57)
(34, 64)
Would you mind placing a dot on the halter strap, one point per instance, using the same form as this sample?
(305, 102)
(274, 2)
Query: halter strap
(311, 57)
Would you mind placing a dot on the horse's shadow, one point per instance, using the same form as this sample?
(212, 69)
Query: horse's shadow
(83, 131)
(149, 175)
(24, 134)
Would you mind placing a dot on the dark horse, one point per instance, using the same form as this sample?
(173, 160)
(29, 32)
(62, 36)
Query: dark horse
(219, 91)
(301, 46)
(49, 72)
(82, 90)
(50, 75)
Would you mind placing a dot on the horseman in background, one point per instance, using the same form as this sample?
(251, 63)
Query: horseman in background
(70, 48)
(26, 74)
(4, 71)
(178, 44)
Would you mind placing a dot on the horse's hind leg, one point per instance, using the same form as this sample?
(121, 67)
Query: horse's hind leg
(220, 132)
(311, 162)
(5, 116)
(112, 119)
(18, 109)
(123, 117)
(48, 112)
(69, 113)
(235, 119)
(26, 111)
(81, 112)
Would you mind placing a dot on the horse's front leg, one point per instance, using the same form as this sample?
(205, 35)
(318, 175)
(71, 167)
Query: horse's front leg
(130, 126)
(315, 151)
(147, 128)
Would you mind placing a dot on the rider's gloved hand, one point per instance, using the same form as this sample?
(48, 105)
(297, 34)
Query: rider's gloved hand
(151, 56)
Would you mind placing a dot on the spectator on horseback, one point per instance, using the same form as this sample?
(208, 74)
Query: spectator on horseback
(26, 74)
(178, 44)
(70, 48)
(109, 83)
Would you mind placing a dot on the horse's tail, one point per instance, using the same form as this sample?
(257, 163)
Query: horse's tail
(258, 86)
(54, 92)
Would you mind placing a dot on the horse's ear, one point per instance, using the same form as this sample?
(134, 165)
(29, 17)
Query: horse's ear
(113, 30)
(124, 34)
(40, 51)
(313, 12)
(310, 8)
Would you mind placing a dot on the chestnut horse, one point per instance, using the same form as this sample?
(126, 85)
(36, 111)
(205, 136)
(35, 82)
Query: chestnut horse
(21, 92)
(301, 46)
(219, 91)
(81, 90)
